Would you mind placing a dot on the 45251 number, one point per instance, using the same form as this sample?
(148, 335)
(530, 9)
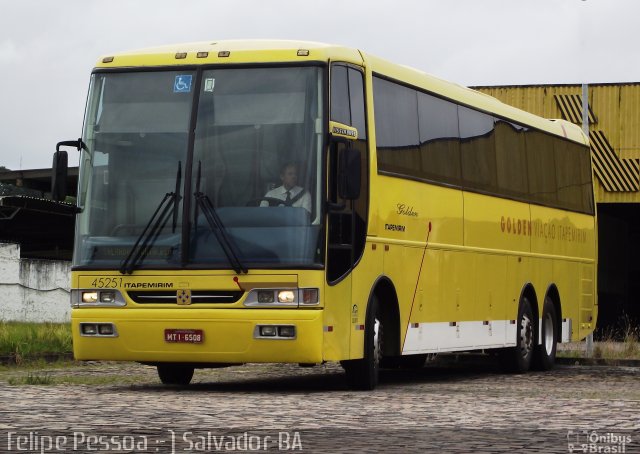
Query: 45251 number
(107, 282)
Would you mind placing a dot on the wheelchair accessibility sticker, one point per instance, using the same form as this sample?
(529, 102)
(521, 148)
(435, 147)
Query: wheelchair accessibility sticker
(182, 83)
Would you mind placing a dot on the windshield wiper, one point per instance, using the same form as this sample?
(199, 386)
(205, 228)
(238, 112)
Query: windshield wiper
(153, 228)
(217, 227)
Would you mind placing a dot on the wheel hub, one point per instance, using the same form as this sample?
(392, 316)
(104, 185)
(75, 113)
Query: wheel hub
(526, 336)
(548, 334)
(377, 342)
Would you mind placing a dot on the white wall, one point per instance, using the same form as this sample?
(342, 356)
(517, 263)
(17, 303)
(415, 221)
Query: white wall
(33, 290)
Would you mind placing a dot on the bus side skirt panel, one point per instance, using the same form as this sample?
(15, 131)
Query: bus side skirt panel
(459, 336)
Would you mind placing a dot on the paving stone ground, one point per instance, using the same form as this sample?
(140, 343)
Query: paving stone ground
(461, 407)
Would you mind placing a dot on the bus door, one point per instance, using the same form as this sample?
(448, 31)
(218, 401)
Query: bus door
(347, 204)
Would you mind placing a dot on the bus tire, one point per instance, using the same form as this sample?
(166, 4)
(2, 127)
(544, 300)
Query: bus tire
(362, 374)
(545, 354)
(518, 359)
(175, 374)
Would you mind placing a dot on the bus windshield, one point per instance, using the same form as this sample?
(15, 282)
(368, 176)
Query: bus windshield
(238, 145)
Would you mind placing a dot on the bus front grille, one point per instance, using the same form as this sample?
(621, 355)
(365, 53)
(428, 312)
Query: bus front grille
(197, 297)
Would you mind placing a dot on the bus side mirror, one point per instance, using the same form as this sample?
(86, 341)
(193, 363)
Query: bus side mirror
(349, 169)
(60, 169)
(59, 176)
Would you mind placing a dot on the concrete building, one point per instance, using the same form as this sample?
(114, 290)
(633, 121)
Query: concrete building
(36, 241)
(42, 227)
(33, 290)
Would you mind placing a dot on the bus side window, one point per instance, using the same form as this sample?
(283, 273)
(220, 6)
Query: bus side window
(347, 227)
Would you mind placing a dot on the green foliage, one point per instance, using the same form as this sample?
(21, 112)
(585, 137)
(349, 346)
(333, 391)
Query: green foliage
(631, 344)
(622, 343)
(33, 379)
(25, 341)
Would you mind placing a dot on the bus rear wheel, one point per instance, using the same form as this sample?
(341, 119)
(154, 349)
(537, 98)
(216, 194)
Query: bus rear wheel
(175, 374)
(362, 374)
(545, 353)
(518, 359)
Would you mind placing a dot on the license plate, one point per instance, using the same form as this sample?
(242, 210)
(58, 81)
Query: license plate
(187, 336)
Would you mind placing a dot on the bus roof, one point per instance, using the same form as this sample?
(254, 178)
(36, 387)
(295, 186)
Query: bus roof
(285, 51)
(230, 52)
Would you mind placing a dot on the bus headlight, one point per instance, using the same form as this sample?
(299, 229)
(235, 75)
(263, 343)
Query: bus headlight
(286, 296)
(108, 297)
(265, 296)
(282, 297)
(89, 297)
(96, 298)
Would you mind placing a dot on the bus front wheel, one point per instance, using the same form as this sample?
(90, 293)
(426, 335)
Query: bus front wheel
(175, 374)
(362, 374)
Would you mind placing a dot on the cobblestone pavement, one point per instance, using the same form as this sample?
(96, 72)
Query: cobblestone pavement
(465, 407)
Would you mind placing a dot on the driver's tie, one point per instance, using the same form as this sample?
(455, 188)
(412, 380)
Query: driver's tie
(287, 201)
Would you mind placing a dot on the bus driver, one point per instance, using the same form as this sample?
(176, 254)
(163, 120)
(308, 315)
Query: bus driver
(290, 193)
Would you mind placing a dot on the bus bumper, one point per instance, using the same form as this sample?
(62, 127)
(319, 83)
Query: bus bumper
(228, 335)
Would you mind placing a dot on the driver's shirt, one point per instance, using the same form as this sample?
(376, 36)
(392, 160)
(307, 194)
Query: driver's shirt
(281, 193)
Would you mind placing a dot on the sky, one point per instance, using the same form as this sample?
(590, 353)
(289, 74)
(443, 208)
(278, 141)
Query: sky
(48, 48)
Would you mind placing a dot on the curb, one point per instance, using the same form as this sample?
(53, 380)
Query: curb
(598, 362)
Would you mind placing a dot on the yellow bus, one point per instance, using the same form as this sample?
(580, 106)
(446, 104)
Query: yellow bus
(297, 202)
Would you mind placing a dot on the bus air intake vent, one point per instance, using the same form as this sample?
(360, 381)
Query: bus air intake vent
(197, 297)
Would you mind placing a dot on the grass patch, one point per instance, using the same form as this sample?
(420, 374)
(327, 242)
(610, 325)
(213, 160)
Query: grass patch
(103, 380)
(631, 343)
(622, 343)
(32, 379)
(47, 378)
(26, 341)
(37, 364)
